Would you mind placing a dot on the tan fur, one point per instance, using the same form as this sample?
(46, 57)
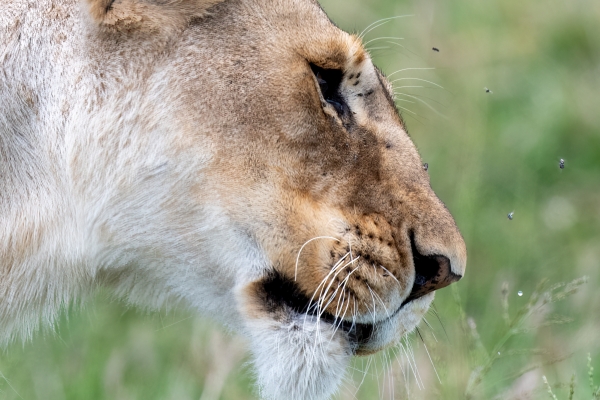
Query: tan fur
(185, 151)
(131, 15)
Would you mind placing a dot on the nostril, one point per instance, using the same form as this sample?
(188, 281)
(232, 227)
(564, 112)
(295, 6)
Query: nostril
(431, 273)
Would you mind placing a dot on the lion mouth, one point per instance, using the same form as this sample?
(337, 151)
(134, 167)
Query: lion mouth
(283, 297)
(359, 334)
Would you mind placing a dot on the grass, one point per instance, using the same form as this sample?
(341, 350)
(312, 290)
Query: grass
(489, 154)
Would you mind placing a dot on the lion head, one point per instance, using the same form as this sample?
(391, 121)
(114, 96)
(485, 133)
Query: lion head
(247, 158)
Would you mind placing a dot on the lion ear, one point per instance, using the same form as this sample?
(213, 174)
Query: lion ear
(126, 15)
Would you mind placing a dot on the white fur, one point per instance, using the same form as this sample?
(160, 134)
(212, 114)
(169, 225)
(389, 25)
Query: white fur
(81, 206)
(300, 358)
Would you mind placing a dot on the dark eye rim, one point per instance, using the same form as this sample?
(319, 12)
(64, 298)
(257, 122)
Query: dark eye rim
(330, 81)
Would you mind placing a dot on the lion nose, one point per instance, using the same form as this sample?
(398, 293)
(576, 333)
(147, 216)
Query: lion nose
(431, 273)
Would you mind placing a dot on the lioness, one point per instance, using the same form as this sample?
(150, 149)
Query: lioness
(244, 157)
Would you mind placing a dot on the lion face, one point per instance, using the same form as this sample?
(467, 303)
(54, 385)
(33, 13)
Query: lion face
(314, 163)
(249, 160)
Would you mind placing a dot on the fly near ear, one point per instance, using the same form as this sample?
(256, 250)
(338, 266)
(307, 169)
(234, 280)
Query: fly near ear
(130, 15)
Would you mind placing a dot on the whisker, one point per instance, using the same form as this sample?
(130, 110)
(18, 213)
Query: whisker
(408, 101)
(374, 27)
(428, 355)
(407, 69)
(340, 303)
(405, 375)
(412, 354)
(407, 110)
(349, 381)
(347, 305)
(409, 86)
(410, 360)
(391, 376)
(405, 48)
(307, 242)
(423, 97)
(335, 270)
(339, 267)
(364, 375)
(434, 310)
(343, 284)
(377, 374)
(374, 306)
(341, 320)
(354, 314)
(382, 38)
(380, 22)
(424, 102)
(392, 275)
(430, 327)
(338, 320)
(416, 79)
(398, 356)
(378, 48)
(174, 323)
(414, 115)
(373, 293)
(347, 277)
(9, 384)
(332, 296)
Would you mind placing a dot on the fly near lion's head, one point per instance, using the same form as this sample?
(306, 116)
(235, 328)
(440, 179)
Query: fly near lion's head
(242, 157)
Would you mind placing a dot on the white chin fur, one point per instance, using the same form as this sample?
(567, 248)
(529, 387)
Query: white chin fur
(390, 331)
(298, 359)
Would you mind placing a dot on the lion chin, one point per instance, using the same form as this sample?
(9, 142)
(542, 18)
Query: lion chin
(242, 157)
(301, 350)
(300, 355)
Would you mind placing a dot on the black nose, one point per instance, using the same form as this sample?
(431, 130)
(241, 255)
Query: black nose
(431, 273)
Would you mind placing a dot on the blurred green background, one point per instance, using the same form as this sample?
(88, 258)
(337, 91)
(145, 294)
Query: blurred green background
(489, 154)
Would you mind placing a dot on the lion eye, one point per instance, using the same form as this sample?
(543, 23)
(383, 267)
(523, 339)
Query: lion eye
(329, 83)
